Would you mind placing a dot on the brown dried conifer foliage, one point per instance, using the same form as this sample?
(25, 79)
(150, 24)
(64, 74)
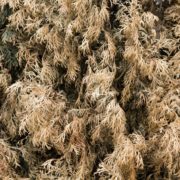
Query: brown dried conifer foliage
(90, 89)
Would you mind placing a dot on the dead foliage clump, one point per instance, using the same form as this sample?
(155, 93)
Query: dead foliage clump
(90, 89)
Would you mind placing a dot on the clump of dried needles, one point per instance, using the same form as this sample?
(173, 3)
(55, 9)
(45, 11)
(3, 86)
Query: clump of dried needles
(90, 89)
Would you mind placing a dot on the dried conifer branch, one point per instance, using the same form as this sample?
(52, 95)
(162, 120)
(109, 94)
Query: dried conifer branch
(89, 89)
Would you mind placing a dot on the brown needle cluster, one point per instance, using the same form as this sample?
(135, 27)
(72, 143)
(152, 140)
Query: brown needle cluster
(89, 89)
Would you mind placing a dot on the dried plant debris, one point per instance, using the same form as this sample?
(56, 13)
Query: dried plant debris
(90, 89)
